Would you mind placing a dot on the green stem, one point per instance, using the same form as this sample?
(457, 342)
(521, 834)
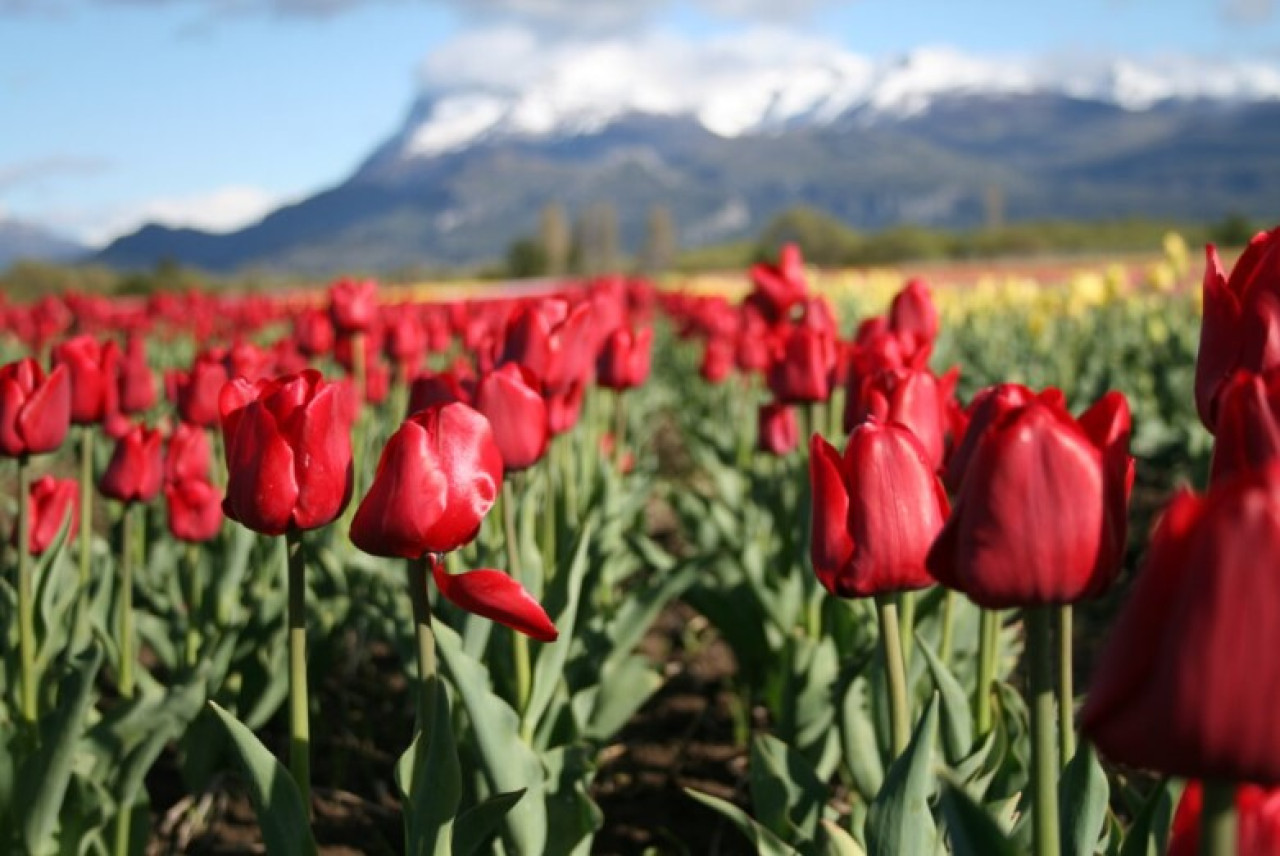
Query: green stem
(895, 674)
(988, 639)
(86, 509)
(299, 724)
(195, 596)
(1218, 819)
(519, 643)
(26, 599)
(417, 579)
(948, 625)
(1066, 689)
(123, 818)
(619, 429)
(128, 556)
(549, 507)
(1044, 747)
(360, 373)
(907, 603)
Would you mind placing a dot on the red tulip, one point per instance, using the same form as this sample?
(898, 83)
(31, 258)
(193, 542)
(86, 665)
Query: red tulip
(1248, 429)
(1241, 327)
(778, 433)
(624, 360)
(443, 387)
(195, 510)
(494, 595)
(909, 397)
(353, 305)
(779, 287)
(1184, 684)
(438, 476)
(35, 411)
(48, 505)
(406, 340)
(91, 372)
(189, 454)
(247, 361)
(987, 408)
(137, 384)
(717, 360)
(801, 370)
(913, 318)
(564, 408)
(136, 468)
(198, 390)
(509, 398)
(1040, 518)
(1258, 821)
(313, 333)
(552, 340)
(288, 445)
(876, 510)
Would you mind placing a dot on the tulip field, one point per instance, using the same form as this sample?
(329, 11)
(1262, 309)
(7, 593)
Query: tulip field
(780, 561)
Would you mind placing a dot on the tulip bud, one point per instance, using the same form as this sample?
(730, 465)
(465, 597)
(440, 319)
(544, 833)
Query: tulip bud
(876, 510)
(35, 410)
(137, 384)
(1041, 514)
(136, 467)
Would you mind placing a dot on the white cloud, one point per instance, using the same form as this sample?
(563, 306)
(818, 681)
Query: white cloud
(1248, 11)
(222, 209)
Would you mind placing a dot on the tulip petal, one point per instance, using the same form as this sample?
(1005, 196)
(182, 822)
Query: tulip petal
(463, 450)
(261, 487)
(1219, 337)
(831, 547)
(45, 418)
(407, 497)
(322, 460)
(495, 595)
(11, 401)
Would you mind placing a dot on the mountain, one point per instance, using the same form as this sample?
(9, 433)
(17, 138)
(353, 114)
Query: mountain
(923, 139)
(22, 240)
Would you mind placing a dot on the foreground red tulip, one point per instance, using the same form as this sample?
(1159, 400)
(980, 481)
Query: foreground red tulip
(136, 469)
(1241, 327)
(1181, 686)
(876, 510)
(438, 476)
(288, 447)
(509, 398)
(1258, 810)
(496, 596)
(1041, 514)
(49, 503)
(35, 410)
(987, 408)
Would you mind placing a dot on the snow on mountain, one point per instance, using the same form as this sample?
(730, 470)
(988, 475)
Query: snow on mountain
(496, 83)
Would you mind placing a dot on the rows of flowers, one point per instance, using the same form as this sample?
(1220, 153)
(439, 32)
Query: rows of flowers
(211, 492)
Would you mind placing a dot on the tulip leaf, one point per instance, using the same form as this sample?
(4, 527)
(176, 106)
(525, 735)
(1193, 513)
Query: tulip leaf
(1148, 835)
(970, 829)
(430, 783)
(834, 841)
(859, 743)
(957, 718)
(276, 799)
(475, 828)
(1083, 793)
(622, 688)
(49, 770)
(786, 793)
(551, 659)
(509, 763)
(899, 820)
(765, 842)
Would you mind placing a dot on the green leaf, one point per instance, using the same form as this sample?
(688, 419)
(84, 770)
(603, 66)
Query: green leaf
(858, 736)
(765, 842)
(282, 817)
(786, 793)
(551, 659)
(1148, 835)
(957, 718)
(430, 783)
(475, 828)
(509, 763)
(834, 841)
(971, 830)
(1083, 793)
(621, 691)
(899, 820)
(49, 770)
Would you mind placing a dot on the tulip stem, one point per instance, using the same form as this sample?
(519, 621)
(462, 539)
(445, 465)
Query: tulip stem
(26, 601)
(1044, 746)
(895, 674)
(1066, 689)
(519, 644)
(86, 508)
(195, 592)
(128, 556)
(299, 725)
(426, 640)
(948, 625)
(619, 429)
(907, 601)
(360, 373)
(988, 641)
(1218, 819)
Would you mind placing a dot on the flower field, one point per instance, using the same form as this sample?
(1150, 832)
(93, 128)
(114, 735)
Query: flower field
(783, 560)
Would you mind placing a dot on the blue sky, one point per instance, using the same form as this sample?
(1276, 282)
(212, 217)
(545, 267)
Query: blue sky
(211, 112)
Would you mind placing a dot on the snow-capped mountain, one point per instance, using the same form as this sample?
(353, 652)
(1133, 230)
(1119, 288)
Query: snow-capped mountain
(742, 88)
(728, 135)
